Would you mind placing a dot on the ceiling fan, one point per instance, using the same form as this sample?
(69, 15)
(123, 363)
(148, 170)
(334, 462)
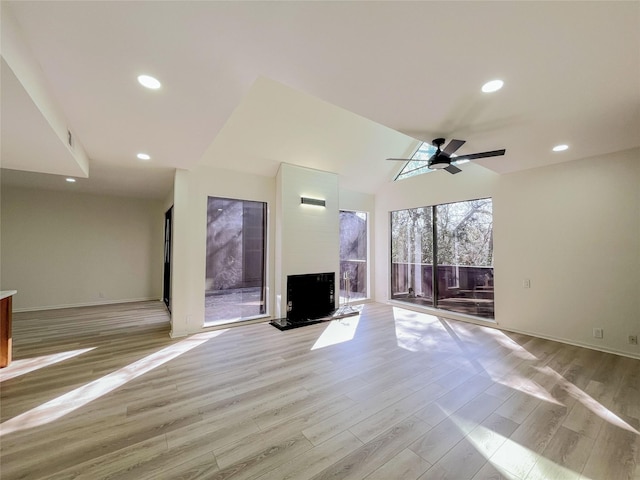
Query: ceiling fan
(441, 159)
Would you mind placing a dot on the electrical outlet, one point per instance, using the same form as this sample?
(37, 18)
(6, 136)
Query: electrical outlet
(598, 333)
(633, 339)
(526, 283)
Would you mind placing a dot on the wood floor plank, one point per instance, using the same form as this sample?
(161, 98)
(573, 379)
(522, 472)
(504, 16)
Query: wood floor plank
(490, 472)
(199, 468)
(369, 428)
(374, 454)
(405, 465)
(115, 464)
(93, 394)
(272, 454)
(313, 461)
(615, 454)
(565, 457)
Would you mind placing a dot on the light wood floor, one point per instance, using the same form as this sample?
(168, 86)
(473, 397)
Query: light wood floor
(411, 396)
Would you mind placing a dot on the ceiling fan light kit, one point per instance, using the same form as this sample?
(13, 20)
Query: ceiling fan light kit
(438, 165)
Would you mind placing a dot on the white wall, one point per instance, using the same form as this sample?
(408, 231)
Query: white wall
(16, 53)
(191, 189)
(67, 249)
(573, 229)
(306, 239)
(309, 236)
(167, 203)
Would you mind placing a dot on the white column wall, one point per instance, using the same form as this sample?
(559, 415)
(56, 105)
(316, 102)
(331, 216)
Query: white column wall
(308, 236)
(191, 189)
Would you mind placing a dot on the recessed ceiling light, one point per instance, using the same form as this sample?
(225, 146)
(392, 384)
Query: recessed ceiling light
(492, 86)
(71, 180)
(143, 156)
(149, 82)
(560, 148)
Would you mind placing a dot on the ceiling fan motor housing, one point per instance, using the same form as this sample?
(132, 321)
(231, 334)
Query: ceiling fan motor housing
(439, 160)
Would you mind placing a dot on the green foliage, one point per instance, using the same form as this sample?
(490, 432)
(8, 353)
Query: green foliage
(464, 234)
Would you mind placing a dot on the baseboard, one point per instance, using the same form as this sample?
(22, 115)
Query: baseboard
(88, 304)
(597, 348)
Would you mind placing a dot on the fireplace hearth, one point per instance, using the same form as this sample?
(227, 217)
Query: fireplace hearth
(310, 300)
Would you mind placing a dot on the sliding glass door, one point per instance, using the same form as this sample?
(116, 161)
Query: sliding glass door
(442, 256)
(465, 257)
(235, 271)
(412, 255)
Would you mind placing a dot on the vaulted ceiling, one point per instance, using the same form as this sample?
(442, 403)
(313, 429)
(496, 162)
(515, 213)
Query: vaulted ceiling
(337, 86)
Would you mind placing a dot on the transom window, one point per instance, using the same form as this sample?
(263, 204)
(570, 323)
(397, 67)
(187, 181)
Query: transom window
(414, 166)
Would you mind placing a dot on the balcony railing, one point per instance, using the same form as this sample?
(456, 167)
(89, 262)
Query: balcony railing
(463, 289)
(357, 270)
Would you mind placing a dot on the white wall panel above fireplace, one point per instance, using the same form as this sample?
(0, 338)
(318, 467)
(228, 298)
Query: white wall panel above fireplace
(307, 239)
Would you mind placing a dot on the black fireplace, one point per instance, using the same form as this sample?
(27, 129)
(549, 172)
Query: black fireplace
(310, 296)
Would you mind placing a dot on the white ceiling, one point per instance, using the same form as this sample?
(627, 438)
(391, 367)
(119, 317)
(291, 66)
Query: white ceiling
(247, 85)
(20, 118)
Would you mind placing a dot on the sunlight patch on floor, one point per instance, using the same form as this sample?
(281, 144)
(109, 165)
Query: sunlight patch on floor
(588, 401)
(338, 331)
(71, 401)
(528, 386)
(413, 335)
(26, 365)
(412, 330)
(511, 459)
(511, 344)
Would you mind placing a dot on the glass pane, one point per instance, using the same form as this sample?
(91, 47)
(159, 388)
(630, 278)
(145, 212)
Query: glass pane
(465, 257)
(411, 256)
(234, 287)
(418, 163)
(353, 255)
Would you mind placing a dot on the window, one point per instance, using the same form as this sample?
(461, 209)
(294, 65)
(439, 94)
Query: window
(442, 256)
(235, 271)
(353, 256)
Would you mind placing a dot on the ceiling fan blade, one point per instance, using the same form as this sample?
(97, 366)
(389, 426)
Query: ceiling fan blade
(473, 156)
(406, 159)
(453, 146)
(452, 169)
